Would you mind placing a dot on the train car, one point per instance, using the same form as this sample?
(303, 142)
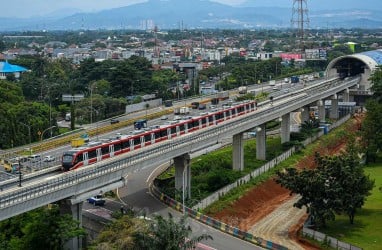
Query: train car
(94, 152)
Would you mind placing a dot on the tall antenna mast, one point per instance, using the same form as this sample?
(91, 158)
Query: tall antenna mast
(300, 19)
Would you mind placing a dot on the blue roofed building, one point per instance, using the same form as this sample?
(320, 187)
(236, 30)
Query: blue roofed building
(6, 69)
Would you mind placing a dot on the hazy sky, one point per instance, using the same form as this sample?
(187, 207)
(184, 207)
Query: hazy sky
(28, 8)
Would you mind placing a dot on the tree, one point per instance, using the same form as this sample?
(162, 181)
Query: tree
(168, 234)
(376, 80)
(121, 234)
(349, 181)
(43, 228)
(371, 130)
(310, 185)
(338, 184)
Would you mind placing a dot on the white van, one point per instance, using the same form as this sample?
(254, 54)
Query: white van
(35, 158)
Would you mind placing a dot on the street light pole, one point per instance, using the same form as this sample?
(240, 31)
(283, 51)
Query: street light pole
(91, 104)
(42, 134)
(184, 212)
(29, 133)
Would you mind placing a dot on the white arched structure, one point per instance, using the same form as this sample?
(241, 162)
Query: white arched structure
(362, 64)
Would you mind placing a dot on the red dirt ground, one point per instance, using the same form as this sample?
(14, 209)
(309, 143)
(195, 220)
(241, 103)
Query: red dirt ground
(266, 197)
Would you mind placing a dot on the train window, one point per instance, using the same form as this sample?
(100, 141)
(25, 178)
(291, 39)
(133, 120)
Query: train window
(148, 137)
(157, 135)
(105, 150)
(173, 130)
(190, 125)
(125, 144)
(92, 154)
(196, 123)
(211, 118)
(80, 157)
(117, 146)
(163, 132)
(203, 120)
(181, 127)
(233, 111)
(137, 140)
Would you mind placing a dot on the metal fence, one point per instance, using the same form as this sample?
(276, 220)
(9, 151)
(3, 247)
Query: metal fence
(269, 165)
(330, 241)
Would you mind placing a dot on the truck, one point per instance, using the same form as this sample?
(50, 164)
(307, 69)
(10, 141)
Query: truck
(222, 95)
(184, 110)
(215, 101)
(67, 117)
(272, 82)
(242, 90)
(11, 165)
(77, 142)
(168, 103)
(195, 105)
(140, 124)
(294, 79)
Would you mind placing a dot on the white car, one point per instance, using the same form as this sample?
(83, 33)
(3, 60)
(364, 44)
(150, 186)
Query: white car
(164, 117)
(49, 158)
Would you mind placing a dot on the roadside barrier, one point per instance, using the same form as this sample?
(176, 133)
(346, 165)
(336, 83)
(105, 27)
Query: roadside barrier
(236, 232)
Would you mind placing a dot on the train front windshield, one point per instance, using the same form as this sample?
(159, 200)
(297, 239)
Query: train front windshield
(67, 161)
(67, 158)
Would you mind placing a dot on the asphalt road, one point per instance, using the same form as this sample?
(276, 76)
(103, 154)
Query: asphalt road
(137, 196)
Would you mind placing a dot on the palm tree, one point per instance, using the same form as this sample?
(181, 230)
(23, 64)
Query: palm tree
(168, 234)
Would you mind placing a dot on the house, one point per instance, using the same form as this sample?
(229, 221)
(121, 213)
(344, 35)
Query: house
(7, 69)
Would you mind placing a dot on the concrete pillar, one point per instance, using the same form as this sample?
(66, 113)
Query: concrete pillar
(238, 152)
(76, 211)
(345, 95)
(305, 114)
(285, 128)
(321, 110)
(261, 142)
(183, 174)
(334, 108)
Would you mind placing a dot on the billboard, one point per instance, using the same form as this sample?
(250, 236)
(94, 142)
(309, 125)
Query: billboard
(315, 54)
(290, 56)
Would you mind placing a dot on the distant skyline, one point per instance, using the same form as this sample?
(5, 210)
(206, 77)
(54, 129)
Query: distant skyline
(35, 8)
(31, 8)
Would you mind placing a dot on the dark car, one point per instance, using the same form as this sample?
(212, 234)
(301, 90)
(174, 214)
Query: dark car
(97, 200)
(114, 121)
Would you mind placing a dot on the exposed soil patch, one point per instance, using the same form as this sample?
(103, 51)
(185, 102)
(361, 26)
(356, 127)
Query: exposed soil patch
(267, 209)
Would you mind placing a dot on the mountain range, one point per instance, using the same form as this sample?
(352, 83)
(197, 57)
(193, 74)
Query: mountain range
(201, 14)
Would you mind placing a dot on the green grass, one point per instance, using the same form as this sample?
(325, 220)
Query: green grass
(366, 232)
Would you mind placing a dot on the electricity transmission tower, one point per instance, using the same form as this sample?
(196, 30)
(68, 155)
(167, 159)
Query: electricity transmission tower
(300, 19)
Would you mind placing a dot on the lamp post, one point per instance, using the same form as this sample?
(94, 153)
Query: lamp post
(183, 191)
(42, 134)
(91, 102)
(29, 134)
(97, 112)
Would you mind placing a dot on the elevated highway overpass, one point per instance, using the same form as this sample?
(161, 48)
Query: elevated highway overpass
(109, 174)
(72, 188)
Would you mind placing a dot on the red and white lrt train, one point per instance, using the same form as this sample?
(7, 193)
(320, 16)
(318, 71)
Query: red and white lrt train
(82, 156)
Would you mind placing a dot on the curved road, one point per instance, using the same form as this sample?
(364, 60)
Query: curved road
(137, 196)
